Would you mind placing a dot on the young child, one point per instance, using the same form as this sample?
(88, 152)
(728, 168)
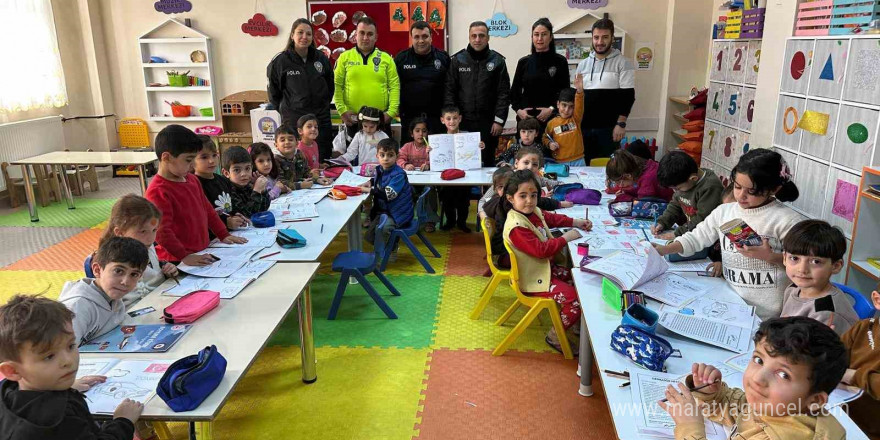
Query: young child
(456, 200)
(293, 166)
(529, 132)
(186, 213)
(392, 194)
(813, 251)
(634, 178)
(563, 134)
(135, 217)
(530, 158)
(414, 156)
(264, 165)
(247, 199)
(716, 268)
(761, 182)
(363, 146)
(527, 158)
(41, 397)
(697, 193)
(797, 362)
(217, 187)
(527, 232)
(97, 302)
(864, 370)
(307, 128)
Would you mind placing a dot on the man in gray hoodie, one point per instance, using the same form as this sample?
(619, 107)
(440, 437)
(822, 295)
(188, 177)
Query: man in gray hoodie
(97, 302)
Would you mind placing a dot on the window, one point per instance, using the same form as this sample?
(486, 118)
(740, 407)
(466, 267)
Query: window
(32, 77)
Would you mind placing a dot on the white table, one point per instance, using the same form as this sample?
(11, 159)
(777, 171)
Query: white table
(59, 159)
(239, 327)
(321, 230)
(475, 177)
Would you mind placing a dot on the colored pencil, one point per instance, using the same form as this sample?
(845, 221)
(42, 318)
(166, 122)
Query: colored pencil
(269, 255)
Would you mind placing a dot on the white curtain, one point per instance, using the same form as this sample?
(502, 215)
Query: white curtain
(32, 77)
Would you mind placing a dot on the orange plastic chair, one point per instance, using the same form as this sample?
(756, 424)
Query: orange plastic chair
(133, 133)
(536, 305)
(498, 275)
(599, 161)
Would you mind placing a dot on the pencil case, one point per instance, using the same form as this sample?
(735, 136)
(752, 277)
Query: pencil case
(290, 239)
(561, 170)
(639, 316)
(190, 380)
(191, 307)
(263, 219)
(560, 191)
(642, 348)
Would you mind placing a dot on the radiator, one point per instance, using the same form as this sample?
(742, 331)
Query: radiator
(19, 140)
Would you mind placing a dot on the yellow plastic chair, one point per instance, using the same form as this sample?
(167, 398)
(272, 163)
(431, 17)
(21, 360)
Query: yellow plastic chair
(133, 133)
(536, 305)
(498, 275)
(599, 161)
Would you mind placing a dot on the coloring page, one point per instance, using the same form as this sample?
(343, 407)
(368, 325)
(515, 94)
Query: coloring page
(294, 211)
(467, 151)
(442, 155)
(128, 379)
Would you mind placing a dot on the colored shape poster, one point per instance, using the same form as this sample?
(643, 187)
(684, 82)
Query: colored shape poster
(845, 200)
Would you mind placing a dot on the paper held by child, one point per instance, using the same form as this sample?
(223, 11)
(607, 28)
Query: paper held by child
(350, 179)
(460, 150)
(126, 379)
(720, 323)
(648, 388)
(145, 338)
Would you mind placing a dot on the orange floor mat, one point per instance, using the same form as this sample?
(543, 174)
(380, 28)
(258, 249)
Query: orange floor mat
(470, 255)
(67, 255)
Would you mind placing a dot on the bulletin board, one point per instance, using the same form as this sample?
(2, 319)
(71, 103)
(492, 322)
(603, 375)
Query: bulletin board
(828, 121)
(390, 41)
(731, 103)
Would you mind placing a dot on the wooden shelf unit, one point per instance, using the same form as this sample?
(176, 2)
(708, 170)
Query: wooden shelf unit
(865, 244)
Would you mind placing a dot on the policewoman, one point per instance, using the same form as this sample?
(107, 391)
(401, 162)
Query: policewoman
(367, 76)
(422, 71)
(539, 77)
(301, 82)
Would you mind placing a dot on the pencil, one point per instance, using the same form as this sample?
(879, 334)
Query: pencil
(295, 221)
(269, 255)
(174, 277)
(322, 228)
(697, 388)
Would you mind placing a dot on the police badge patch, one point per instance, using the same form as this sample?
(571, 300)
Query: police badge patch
(437, 64)
(490, 67)
(552, 71)
(376, 60)
(319, 67)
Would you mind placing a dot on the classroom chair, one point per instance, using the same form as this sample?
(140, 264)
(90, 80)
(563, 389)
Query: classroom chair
(357, 264)
(498, 275)
(44, 180)
(403, 235)
(78, 175)
(599, 161)
(87, 266)
(535, 304)
(863, 307)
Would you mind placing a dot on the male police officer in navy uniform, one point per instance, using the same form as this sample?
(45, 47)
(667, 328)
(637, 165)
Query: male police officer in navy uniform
(422, 71)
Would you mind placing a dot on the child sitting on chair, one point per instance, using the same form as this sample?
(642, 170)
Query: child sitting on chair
(813, 251)
(529, 133)
(247, 199)
(797, 362)
(392, 194)
(864, 370)
(527, 232)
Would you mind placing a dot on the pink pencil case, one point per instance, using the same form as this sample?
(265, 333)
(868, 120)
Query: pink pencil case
(191, 307)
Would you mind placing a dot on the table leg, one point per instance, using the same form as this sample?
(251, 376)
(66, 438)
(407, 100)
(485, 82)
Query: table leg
(142, 176)
(65, 188)
(307, 337)
(29, 193)
(585, 361)
(355, 237)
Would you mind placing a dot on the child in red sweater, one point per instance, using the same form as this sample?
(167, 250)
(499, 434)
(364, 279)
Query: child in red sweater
(634, 177)
(186, 213)
(527, 233)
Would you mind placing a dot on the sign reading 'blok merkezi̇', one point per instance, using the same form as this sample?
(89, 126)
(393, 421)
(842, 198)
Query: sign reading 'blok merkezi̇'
(587, 4)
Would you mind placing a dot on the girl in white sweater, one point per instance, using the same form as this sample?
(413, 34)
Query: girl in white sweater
(363, 145)
(761, 182)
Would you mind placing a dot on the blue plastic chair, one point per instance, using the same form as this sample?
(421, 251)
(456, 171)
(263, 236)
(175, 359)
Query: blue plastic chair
(87, 267)
(404, 234)
(863, 307)
(357, 264)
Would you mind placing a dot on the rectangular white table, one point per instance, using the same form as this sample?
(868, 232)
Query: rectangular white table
(475, 177)
(239, 327)
(59, 159)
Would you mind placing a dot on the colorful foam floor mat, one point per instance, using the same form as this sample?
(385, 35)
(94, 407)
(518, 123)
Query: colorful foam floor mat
(427, 375)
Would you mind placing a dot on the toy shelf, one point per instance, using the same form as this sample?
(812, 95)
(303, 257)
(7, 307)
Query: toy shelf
(860, 274)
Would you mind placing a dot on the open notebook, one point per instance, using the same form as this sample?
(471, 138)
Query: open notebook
(126, 379)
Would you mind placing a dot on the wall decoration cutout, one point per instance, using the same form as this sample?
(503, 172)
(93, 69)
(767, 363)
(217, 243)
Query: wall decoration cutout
(418, 11)
(857, 133)
(789, 129)
(828, 70)
(173, 6)
(587, 4)
(798, 64)
(437, 14)
(845, 200)
(501, 26)
(398, 13)
(863, 83)
(814, 122)
(258, 26)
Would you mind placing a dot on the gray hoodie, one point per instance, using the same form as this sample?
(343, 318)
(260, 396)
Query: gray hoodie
(95, 312)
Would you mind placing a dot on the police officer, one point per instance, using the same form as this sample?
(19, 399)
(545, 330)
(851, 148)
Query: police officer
(478, 84)
(301, 82)
(422, 71)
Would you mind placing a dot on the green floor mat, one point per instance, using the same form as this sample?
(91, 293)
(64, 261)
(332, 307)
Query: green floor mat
(360, 322)
(88, 212)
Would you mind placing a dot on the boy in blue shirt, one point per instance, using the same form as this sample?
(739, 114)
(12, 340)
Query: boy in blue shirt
(392, 194)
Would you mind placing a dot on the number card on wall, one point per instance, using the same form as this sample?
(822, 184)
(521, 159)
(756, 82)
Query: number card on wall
(796, 66)
(732, 106)
(826, 79)
(817, 123)
(727, 154)
(710, 141)
(788, 114)
(742, 146)
(856, 135)
(719, 61)
(753, 63)
(739, 53)
(863, 67)
(748, 110)
(715, 102)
